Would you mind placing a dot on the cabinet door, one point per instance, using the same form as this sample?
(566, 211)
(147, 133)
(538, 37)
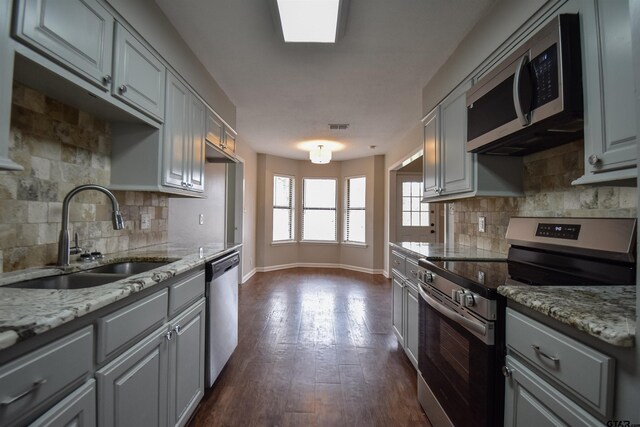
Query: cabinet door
(229, 140)
(398, 308)
(176, 133)
(132, 390)
(78, 33)
(457, 164)
(215, 128)
(530, 401)
(77, 409)
(198, 118)
(431, 154)
(412, 321)
(138, 76)
(186, 360)
(612, 137)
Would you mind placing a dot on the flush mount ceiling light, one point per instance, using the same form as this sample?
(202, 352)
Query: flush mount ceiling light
(311, 21)
(320, 155)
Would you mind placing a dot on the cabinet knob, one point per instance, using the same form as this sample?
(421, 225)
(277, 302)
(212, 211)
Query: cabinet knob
(594, 160)
(106, 80)
(168, 335)
(184, 184)
(506, 371)
(123, 88)
(177, 329)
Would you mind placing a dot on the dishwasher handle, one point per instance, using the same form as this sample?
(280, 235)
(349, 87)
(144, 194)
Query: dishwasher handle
(217, 268)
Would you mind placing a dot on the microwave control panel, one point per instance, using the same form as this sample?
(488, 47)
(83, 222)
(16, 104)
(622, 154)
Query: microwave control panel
(544, 73)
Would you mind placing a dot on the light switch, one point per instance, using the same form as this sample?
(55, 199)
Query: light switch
(481, 224)
(201, 219)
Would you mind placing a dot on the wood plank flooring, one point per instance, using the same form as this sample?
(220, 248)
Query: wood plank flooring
(315, 348)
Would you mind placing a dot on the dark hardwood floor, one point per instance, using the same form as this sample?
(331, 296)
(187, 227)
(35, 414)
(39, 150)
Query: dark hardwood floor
(315, 348)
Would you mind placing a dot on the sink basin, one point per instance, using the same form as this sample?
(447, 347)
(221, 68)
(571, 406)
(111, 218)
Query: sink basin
(87, 279)
(128, 268)
(68, 281)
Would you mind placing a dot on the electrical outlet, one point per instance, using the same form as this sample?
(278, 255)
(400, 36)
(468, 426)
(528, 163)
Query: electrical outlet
(481, 224)
(145, 221)
(201, 219)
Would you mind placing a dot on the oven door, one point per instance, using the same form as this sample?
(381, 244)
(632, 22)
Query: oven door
(457, 359)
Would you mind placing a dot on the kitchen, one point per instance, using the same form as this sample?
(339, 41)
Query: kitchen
(69, 125)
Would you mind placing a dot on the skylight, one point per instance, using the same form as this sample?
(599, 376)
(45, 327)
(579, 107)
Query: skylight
(309, 21)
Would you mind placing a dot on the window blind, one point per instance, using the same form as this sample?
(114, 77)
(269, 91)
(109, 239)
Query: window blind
(355, 210)
(283, 208)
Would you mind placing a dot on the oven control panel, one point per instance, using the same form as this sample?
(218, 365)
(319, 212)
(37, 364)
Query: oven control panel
(558, 231)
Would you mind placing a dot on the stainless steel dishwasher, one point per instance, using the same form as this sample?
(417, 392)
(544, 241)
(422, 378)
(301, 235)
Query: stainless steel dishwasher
(221, 277)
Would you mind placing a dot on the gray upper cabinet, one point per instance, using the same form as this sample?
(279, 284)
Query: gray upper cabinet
(198, 116)
(176, 133)
(138, 76)
(77, 33)
(184, 133)
(450, 172)
(215, 128)
(457, 164)
(610, 125)
(6, 84)
(229, 140)
(186, 364)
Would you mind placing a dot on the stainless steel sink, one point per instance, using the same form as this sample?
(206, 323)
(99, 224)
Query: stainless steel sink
(87, 279)
(128, 268)
(68, 281)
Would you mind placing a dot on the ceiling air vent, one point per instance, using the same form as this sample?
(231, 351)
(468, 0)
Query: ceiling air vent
(338, 126)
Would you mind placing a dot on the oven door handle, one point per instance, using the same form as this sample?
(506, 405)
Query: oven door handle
(476, 327)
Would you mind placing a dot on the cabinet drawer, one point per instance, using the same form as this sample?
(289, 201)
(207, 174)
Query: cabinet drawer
(186, 291)
(411, 270)
(398, 262)
(77, 409)
(117, 329)
(30, 382)
(585, 372)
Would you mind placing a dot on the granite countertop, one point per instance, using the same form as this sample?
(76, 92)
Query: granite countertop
(448, 252)
(605, 312)
(28, 312)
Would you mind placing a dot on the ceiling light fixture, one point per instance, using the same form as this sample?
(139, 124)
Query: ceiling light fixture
(311, 21)
(320, 155)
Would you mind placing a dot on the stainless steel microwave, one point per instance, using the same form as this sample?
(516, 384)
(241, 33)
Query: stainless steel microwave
(532, 100)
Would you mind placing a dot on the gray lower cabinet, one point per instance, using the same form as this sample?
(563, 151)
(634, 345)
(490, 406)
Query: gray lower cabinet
(138, 76)
(411, 305)
(77, 33)
(184, 134)
(132, 390)
(398, 307)
(78, 409)
(610, 122)
(186, 364)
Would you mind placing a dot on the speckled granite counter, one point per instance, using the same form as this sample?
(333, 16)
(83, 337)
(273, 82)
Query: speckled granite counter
(28, 312)
(605, 312)
(440, 251)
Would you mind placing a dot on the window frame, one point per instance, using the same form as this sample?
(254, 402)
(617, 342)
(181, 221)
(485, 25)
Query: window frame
(335, 210)
(291, 208)
(345, 212)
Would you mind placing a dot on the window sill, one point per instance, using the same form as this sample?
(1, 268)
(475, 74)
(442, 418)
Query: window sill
(284, 242)
(355, 244)
(319, 242)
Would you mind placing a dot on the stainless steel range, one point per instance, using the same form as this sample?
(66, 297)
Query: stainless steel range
(461, 332)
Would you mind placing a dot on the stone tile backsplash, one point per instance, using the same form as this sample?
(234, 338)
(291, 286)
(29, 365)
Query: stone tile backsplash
(548, 192)
(60, 148)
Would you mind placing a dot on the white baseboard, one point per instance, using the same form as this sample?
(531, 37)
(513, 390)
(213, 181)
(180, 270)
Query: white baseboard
(248, 276)
(385, 273)
(319, 265)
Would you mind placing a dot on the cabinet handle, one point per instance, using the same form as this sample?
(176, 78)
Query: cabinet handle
(106, 80)
(35, 386)
(539, 352)
(177, 329)
(123, 88)
(414, 273)
(168, 335)
(396, 262)
(184, 184)
(594, 160)
(506, 371)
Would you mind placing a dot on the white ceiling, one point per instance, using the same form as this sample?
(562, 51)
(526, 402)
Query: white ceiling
(288, 93)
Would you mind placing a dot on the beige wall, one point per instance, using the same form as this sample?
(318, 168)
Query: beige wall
(269, 255)
(60, 148)
(249, 217)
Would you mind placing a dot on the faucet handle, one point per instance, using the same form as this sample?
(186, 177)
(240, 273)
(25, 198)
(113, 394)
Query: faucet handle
(76, 249)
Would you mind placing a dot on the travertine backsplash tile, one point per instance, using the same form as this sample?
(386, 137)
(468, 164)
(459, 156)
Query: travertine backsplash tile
(60, 148)
(548, 192)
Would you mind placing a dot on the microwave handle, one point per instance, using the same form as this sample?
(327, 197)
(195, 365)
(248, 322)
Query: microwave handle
(522, 78)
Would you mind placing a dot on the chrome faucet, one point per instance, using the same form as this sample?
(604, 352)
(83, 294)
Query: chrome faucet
(63, 242)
